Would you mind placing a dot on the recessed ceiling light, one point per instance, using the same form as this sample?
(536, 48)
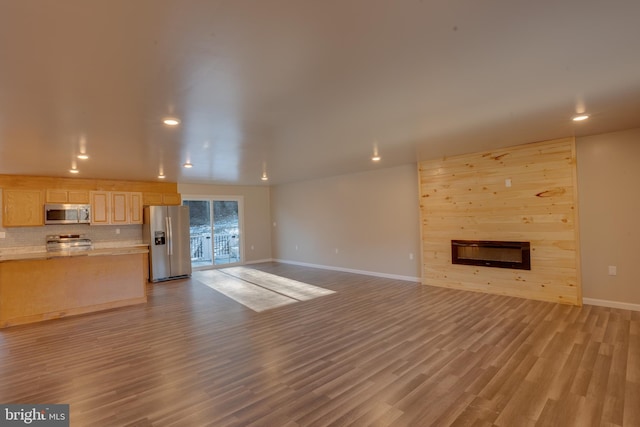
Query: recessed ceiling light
(74, 171)
(580, 117)
(188, 165)
(83, 156)
(264, 177)
(161, 176)
(170, 121)
(376, 154)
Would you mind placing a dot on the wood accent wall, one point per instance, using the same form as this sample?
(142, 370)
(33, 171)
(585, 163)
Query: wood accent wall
(466, 197)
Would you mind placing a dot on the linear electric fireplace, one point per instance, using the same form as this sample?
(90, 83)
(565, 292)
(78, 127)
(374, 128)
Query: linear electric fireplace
(491, 253)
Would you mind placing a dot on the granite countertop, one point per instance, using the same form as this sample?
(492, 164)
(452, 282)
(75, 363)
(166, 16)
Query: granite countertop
(38, 252)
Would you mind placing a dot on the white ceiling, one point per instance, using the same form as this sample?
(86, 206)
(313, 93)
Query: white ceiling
(302, 88)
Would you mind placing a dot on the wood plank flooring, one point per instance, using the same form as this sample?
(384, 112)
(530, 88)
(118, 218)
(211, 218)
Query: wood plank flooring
(378, 352)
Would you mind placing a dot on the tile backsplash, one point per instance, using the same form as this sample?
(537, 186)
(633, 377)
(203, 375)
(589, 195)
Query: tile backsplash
(37, 236)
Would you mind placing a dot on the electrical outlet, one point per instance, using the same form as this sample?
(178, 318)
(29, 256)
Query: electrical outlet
(411, 257)
(613, 270)
(3, 234)
(117, 231)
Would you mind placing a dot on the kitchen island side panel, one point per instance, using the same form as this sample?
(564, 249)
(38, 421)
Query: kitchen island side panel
(41, 289)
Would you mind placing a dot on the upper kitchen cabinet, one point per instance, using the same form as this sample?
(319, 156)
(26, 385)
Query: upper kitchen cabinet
(67, 196)
(22, 207)
(112, 201)
(135, 208)
(162, 199)
(126, 208)
(116, 207)
(171, 199)
(119, 208)
(100, 214)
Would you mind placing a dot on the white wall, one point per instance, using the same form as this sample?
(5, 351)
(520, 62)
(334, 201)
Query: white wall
(609, 210)
(369, 218)
(257, 228)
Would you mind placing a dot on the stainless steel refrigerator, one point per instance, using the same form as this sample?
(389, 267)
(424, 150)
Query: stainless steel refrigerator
(166, 231)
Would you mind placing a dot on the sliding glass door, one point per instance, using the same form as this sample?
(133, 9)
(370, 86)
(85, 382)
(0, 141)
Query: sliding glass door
(216, 230)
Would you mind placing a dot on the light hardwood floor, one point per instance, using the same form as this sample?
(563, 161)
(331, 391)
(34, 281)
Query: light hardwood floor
(378, 352)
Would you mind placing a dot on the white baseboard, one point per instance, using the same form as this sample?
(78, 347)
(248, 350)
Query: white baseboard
(611, 304)
(350, 270)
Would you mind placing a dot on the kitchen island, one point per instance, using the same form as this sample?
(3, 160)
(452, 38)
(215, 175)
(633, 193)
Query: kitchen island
(40, 285)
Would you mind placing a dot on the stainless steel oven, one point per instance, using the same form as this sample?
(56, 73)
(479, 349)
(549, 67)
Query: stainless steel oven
(67, 214)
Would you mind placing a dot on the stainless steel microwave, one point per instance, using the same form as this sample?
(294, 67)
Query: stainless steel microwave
(67, 214)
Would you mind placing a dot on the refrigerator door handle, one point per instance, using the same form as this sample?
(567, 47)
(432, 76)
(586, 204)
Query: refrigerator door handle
(167, 223)
(171, 235)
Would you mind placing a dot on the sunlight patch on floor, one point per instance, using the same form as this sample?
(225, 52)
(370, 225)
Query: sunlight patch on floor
(257, 289)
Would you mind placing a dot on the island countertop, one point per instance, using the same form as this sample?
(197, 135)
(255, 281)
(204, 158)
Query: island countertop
(39, 253)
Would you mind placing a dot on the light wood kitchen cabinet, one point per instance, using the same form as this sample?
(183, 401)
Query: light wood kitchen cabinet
(116, 207)
(22, 208)
(100, 214)
(119, 207)
(152, 199)
(135, 208)
(171, 199)
(67, 196)
(161, 199)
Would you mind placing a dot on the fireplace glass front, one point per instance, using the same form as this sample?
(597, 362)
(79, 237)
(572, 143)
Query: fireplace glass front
(492, 253)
